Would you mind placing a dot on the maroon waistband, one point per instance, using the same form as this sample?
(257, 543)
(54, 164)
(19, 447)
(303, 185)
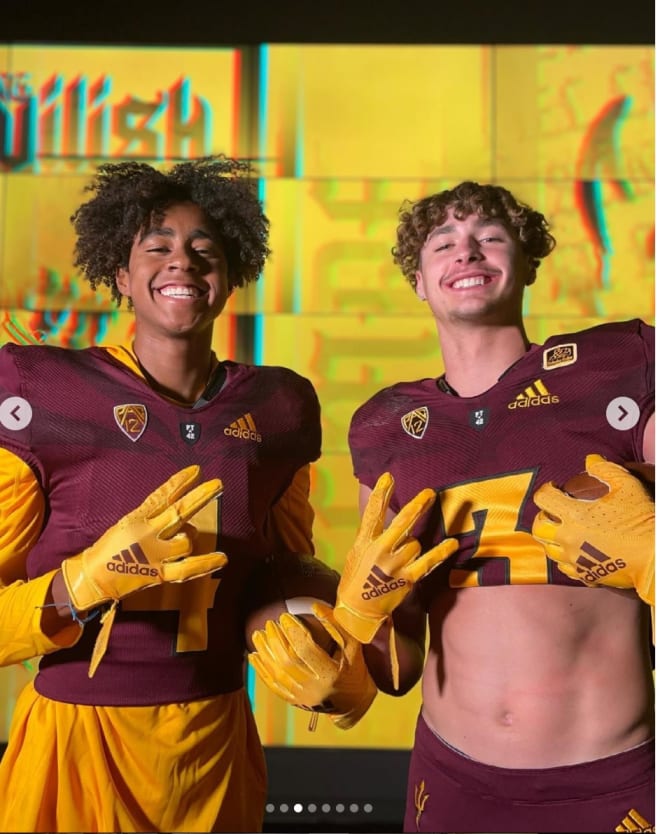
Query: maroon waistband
(600, 776)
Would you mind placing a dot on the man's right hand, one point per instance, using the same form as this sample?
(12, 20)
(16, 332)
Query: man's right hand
(148, 546)
(292, 665)
(384, 564)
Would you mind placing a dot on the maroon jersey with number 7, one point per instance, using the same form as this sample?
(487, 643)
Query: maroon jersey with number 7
(590, 391)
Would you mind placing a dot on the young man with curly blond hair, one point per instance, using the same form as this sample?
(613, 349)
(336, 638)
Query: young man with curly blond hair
(537, 685)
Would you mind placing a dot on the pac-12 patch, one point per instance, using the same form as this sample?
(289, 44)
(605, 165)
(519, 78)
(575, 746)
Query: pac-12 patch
(415, 422)
(131, 419)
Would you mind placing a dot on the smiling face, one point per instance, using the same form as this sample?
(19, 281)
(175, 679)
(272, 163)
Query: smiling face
(473, 269)
(176, 275)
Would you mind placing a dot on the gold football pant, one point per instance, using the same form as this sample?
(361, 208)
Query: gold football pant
(195, 766)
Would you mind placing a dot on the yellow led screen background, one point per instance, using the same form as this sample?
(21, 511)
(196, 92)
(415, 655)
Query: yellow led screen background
(341, 136)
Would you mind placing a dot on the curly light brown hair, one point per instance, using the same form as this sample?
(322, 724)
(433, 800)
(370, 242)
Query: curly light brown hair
(128, 196)
(417, 220)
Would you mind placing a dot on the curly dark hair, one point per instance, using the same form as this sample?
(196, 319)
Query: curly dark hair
(128, 196)
(416, 221)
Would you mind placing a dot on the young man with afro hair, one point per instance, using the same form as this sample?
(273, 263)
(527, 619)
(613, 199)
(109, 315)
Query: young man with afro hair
(138, 718)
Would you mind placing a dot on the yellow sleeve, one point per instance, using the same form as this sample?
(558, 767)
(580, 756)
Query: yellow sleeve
(22, 620)
(292, 518)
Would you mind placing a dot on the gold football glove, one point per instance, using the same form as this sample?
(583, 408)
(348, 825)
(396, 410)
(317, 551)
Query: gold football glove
(383, 565)
(609, 541)
(148, 546)
(293, 666)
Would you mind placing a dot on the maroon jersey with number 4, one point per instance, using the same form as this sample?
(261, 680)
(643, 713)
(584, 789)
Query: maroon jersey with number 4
(99, 450)
(582, 393)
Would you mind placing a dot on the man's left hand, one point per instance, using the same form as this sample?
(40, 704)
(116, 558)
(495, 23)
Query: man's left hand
(608, 541)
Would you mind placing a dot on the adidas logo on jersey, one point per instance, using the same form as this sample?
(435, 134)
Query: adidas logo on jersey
(634, 821)
(379, 583)
(534, 394)
(592, 564)
(244, 428)
(131, 561)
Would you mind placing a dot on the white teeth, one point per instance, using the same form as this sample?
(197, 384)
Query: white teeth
(180, 292)
(469, 282)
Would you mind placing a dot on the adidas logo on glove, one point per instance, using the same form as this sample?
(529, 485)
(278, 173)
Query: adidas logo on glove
(132, 561)
(379, 583)
(599, 565)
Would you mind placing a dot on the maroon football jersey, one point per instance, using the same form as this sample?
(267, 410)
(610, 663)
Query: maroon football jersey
(591, 391)
(99, 440)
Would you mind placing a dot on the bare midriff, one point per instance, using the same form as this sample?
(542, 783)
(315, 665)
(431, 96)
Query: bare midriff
(538, 676)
